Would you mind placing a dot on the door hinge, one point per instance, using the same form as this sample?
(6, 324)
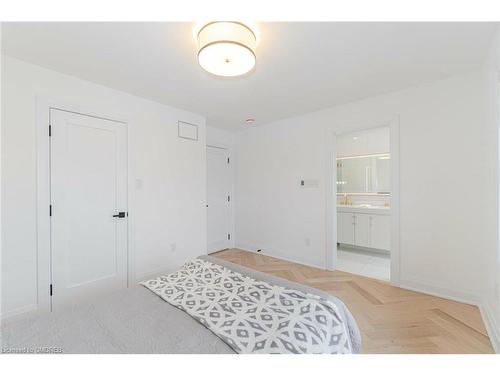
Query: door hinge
(50, 210)
(228, 236)
(229, 198)
(50, 289)
(50, 130)
(227, 160)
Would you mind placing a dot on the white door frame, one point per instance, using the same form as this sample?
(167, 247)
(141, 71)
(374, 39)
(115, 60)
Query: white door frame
(43, 248)
(331, 192)
(231, 242)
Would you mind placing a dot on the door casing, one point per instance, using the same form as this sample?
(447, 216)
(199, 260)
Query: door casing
(229, 241)
(332, 132)
(43, 107)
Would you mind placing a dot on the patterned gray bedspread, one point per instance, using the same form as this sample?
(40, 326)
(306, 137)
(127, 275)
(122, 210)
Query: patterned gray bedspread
(134, 320)
(252, 315)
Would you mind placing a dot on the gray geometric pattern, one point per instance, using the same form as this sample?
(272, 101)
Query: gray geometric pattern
(253, 316)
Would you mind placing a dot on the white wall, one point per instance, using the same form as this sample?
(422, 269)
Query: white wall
(364, 142)
(1, 194)
(447, 182)
(273, 212)
(491, 274)
(220, 138)
(169, 207)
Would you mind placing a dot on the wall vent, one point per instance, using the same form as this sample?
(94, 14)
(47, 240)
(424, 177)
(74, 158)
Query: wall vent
(187, 131)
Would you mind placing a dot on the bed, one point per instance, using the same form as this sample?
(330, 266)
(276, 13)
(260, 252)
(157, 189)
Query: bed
(140, 320)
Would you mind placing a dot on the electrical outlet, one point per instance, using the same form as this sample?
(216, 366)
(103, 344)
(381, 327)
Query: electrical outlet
(308, 241)
(173, 247)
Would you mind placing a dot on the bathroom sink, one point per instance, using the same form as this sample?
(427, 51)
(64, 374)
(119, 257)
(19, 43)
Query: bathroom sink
(365, 205)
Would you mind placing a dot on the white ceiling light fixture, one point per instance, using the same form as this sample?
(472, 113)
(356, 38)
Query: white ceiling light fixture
(227, 48)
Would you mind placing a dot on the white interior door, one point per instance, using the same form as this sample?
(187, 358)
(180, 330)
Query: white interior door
(218, 199)
(88, 187)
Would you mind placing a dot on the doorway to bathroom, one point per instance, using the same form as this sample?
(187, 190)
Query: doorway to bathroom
(363, 202)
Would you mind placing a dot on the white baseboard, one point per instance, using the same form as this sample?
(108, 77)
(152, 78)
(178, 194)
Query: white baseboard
(17, 313)
(279, 254)
(417, 286)
(492, 324)
(414, 285)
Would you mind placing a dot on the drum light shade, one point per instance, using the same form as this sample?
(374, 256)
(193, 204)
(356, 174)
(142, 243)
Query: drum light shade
(226, 48)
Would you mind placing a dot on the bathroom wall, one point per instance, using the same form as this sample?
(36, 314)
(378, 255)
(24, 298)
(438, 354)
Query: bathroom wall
(364, 142)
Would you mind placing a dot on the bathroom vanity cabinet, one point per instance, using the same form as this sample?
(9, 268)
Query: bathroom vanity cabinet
(365, 227)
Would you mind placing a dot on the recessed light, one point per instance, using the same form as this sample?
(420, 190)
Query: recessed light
(250, 120)
(355, 138)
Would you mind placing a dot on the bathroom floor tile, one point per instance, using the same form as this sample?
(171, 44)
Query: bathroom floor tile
(363, 263)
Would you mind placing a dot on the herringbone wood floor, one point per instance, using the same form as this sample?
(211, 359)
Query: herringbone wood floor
(391, 320)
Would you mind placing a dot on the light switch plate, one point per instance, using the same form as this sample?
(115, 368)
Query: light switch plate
(309, 184)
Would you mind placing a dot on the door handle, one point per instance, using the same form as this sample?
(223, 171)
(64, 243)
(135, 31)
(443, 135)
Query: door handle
(120, 214)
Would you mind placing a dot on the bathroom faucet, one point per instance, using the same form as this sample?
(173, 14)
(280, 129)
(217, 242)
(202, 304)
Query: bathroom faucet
(346, 200)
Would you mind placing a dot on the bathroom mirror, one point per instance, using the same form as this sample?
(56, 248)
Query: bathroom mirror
(364, 174)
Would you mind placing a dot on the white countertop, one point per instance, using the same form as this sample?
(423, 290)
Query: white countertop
(364, 209)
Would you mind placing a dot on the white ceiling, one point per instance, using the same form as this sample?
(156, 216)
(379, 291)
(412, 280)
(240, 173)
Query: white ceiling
(301, 67)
